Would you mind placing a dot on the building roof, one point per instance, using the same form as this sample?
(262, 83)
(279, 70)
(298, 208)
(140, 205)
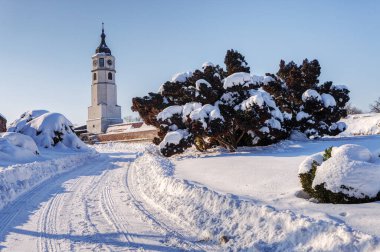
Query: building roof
(129, 127)
(103, 48)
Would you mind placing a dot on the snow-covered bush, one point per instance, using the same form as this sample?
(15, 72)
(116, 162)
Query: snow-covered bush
(17, 147)
(342, 175)
(314, 109)
(212, 106)
(47, 129)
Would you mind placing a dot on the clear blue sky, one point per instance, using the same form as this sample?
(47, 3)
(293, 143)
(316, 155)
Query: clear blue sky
(47, 45)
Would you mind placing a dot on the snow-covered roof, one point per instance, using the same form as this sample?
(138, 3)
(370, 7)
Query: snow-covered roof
(129, 127)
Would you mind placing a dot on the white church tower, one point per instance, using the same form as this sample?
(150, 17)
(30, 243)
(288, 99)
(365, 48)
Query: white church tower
(104, 110)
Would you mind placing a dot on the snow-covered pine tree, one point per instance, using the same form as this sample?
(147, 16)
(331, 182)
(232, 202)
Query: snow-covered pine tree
(314, 109)
(211, 106)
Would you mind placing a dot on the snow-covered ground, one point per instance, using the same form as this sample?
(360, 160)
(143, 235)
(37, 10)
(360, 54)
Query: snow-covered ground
(269, 176)
(122, 197)
(362, 124)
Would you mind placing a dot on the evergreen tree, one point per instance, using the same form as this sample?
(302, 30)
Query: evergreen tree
(230, 108)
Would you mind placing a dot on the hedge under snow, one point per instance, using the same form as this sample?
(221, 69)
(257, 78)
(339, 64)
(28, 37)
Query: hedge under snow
(350, 174)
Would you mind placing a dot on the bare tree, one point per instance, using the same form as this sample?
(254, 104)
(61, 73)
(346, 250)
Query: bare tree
(351, 109)
(375, 107)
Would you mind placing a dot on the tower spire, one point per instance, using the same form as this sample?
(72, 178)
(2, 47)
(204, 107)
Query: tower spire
(103, 48)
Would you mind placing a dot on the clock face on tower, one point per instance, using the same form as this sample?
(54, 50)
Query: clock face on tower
(109, 62)
(94, 63)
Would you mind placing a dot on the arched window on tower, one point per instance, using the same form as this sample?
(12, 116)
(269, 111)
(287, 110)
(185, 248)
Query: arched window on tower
(110, 76)
(94, 77)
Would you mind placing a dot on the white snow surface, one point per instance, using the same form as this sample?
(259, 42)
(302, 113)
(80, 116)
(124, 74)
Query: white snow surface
(206, 64)
(302, 115)
(328, 100)
(15, 147)
(248, 223)
(24, 172)
(193, 110)
(353, 166)
(169, 112)
(269, 176)
(181, 77)
(173, 137)
(244, 79)
(311, 93)
(206, 111)
(200, 82)
(26, 117)
(20, 140)
(43, 129)
(362, 124)
(306, 165)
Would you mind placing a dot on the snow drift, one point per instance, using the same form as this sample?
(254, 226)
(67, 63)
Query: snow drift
(47, 129)
(362, 124)
(247, 225)
(15, 147)
(20, 178)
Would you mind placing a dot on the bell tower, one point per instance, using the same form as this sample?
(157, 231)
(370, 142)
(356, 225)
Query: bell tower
(104, 110)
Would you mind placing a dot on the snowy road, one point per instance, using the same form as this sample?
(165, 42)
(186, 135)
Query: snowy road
(91, 208)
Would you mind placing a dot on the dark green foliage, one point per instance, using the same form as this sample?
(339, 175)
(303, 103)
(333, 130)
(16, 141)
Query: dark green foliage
(235, 62)
(324, 195)
(327, 153)
(171, 149)
(291, 81)
(307, 179)
(57, 137)
(255, 124)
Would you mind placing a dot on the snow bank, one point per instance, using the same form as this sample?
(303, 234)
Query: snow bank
(16, 148)
(20, 178)
(353, 167)
(362, 124)
(48, 130)
(249, 226)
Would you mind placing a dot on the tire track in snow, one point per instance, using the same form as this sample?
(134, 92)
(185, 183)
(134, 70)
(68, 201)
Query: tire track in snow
(63, 203)
(32, 198)
(150, 214)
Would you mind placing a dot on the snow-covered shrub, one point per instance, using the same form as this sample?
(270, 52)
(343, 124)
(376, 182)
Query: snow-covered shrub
(47, 129)
(212, 106)
(314, 109)
(17, 147)
(342, 175)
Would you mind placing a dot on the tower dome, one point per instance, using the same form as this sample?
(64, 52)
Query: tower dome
(103, 48)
